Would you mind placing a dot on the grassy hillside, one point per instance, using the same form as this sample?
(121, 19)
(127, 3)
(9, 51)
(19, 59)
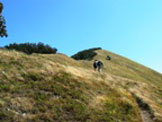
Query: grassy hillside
(47, 88)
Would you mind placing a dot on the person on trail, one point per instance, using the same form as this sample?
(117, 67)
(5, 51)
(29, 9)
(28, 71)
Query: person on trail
(95, 65)
(100, 66)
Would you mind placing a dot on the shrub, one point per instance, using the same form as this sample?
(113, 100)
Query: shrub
(30, 48)
(86, 54)
(108, 58)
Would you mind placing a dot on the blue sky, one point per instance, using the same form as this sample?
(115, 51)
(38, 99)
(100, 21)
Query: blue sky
(132, 28)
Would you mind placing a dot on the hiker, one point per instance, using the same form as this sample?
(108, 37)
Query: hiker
(95, 65)
(98, 65)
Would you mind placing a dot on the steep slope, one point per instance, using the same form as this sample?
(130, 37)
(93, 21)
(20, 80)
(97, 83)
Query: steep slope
(138, 79)
(57, 88)
(144, 83)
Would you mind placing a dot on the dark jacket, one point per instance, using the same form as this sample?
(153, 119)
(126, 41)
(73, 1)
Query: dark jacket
(99, 64)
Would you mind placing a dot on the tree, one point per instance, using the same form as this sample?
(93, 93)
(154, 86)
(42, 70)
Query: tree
(1, 7)
(3, 31)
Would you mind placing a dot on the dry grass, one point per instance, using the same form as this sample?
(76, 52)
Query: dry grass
(58, 88)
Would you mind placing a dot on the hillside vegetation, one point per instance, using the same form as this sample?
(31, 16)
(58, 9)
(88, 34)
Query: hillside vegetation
(30, 48)
(56, 88)
(86, 54)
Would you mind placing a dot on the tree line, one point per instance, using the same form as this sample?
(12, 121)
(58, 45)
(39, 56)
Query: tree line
(30, 48)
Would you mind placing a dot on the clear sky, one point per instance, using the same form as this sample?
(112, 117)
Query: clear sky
(132, 28)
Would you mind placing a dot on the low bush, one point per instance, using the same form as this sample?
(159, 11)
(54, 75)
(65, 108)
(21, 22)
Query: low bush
(86, 54)
(30, 48)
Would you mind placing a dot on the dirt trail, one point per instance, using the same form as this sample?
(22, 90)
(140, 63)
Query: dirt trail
(146, 117)
(146, 113)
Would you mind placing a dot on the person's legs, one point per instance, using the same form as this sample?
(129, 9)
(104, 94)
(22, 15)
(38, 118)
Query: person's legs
(99, 68)
(95, 68)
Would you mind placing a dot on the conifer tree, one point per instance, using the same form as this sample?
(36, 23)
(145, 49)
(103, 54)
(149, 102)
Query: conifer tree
(3, 31)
